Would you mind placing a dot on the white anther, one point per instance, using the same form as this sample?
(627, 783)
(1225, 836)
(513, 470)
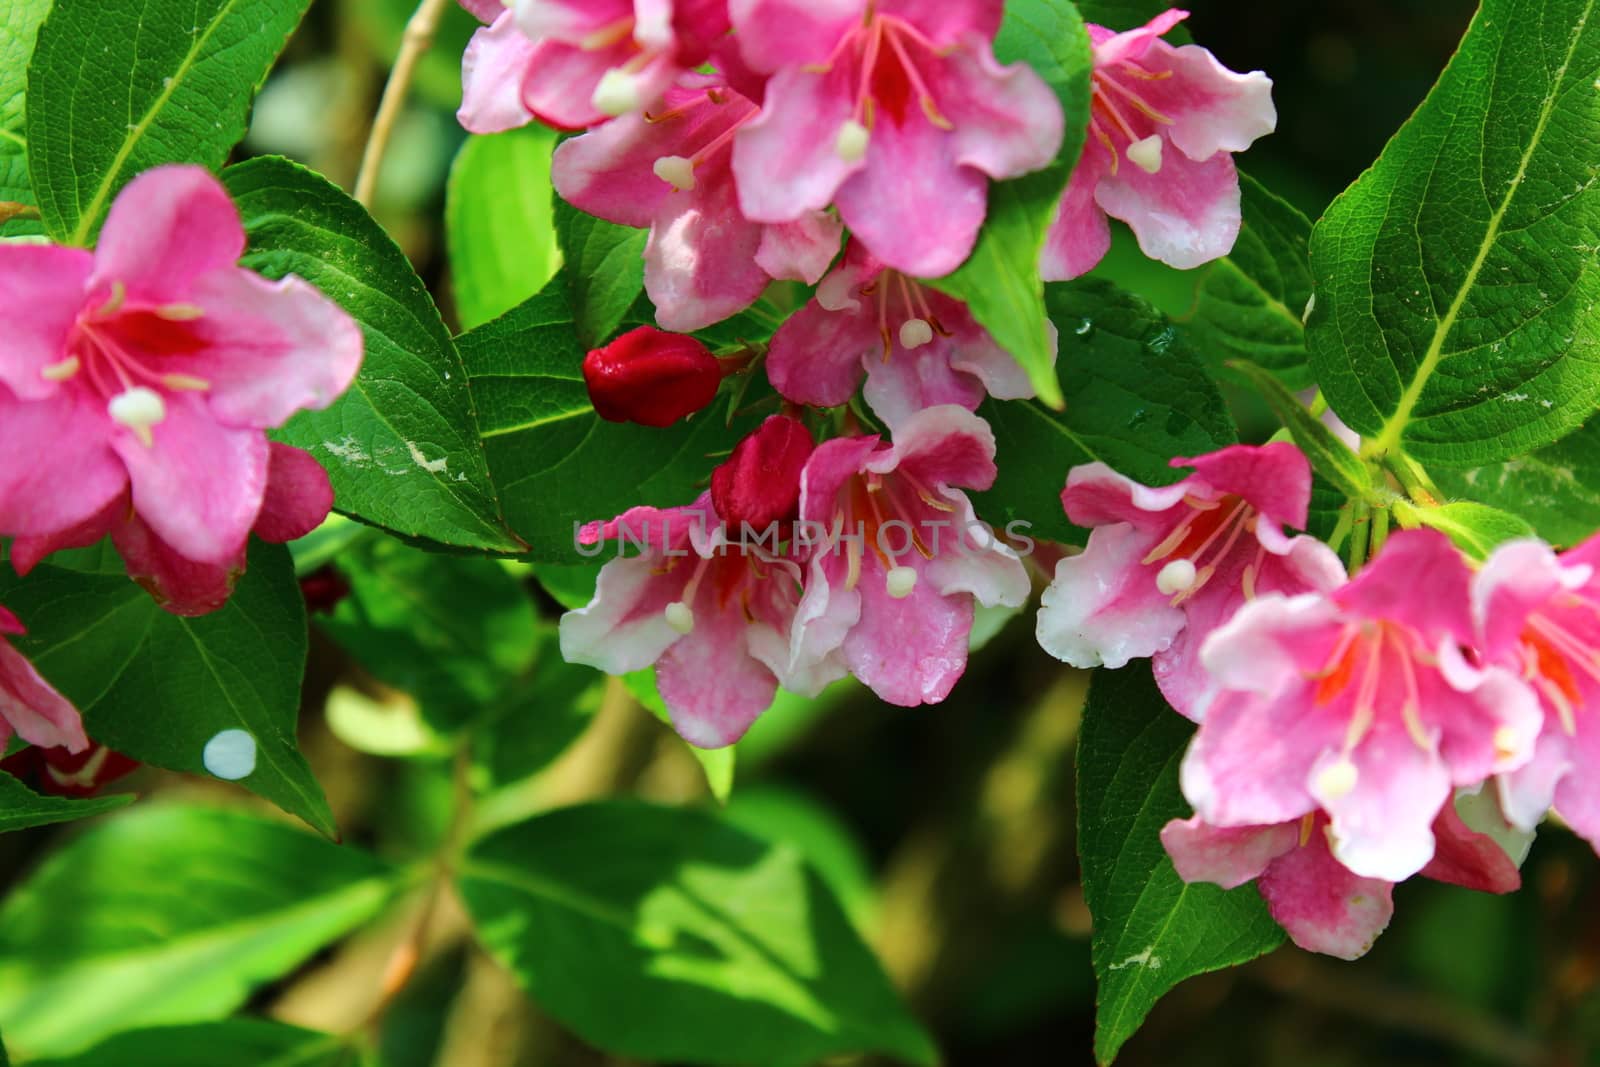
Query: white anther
(834, 293)
(851, 144)
(676, 171)
(617, 93)
(1507, 741)
(679, 617)
(138, 409)
(901, 581)
(914, 333)
(60, 372)
(1178, 576)
(1146, 154)
(1336, 780)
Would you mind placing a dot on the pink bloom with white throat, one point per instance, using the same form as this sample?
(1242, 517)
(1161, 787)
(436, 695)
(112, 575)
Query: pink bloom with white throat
(1166, 566)
(894, 110)
(1164, 123)
(1360, 703)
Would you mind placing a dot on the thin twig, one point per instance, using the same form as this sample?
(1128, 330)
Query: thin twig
(414, 43)
(10, 209)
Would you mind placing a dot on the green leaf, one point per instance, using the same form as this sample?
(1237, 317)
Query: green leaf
(115, 89)
(1137, 395)
(235, 1042)
(1151, 930)
(401, 446)
(19, 25)
(665, 934)
(159, 687)
(1329, 456)
(1475, 528)
(21, 807)
(557, 463)
(453, 632)
(1456, 280)
(1000, 280)
(1556, 489)
(1250, 304)
(787, 816)
(499, 222)
(717, 763)
(539, 718)
(170, 914)
(604, 272)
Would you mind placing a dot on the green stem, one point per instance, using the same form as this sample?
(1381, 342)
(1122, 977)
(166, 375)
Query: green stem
(1414, 480)
(1360, 531)
(1380, 530)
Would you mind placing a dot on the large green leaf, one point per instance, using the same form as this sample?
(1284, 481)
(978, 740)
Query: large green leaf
(234, 1042)
(118, 88)
(19, 25)
(453, 632)
(170, 914)
(1250, 304)
(401, 446)
(558, 464)
(1556, 489)
(1457, 279)
(498, 222)
(1137, 395)
(1475, 528)
(21, 807)
(604, 271)
(1151, 930)
(665, 934)
(159, 687)
(1000, 281)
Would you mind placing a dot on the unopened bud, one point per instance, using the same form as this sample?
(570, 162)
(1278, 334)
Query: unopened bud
(651, 377)
(760, 483)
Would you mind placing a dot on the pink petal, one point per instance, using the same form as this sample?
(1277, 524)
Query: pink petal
(832, 464)
(1518, 578)
(800, 251)
(200, 486)
(912, 650)
(42, 287)
(180, 585)
(58, 468)
(971, 559)
(1096, 495)
(1577, 794)
(484, 11)
(557, 86)
(974, 351)
(624, 628)
(816, 355)
(1007, 120)
(32, 707)
(1383, 828)
(1132, 44)
(1464, 857)
(711, 685)
(1225, 857)
(27, 552)
(1212, 108)
(1527, 793)
(784, 159)
(1080, 236)
(700, 261)
(1275, 479)
(1322, 905)
(826, 615)
(273, 348)
(791, 33)
(298, 497)
(570, 20)
(1185, 214)
(167, 228)
(948, 22)
(492, 69)
(941, 446)
(909, 382)
(1103, 607)
(1411, 560)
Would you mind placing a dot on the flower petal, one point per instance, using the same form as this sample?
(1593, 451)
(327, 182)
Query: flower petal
(1103, 608)
(33, 708)
(1080, 236)
(1212, 108)
(785, 160)
(911, 650)
(1185, 214)
(167, 228)
(42, 288)
(298, 497)
(941, 446)
(59, 469)
(1225, 857)
(791, 33)
(1323, 906)
(180, 585)
(492, 69)
(624, 628)
(1007, 121)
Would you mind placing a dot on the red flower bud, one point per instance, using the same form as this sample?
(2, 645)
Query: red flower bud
(651, 377)
(323, 589)
(760, 482)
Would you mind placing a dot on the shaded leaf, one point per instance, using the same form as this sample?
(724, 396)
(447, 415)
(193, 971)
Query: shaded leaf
(21, 807)
(1556, 489)
(604, 272)
(235, 1042)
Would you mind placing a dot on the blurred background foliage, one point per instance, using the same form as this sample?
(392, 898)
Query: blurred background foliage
(947, 832)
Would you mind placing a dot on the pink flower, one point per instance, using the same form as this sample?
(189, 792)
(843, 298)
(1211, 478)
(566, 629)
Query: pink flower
(714, 617)
(896, 111)
(671, 171)
(1320, 903)
(892, 586)
(137, 380)
(1539, 615)
(1163, 124)
(918, 347)
(576, 63)
(1360, 703)
(1165, 567)
(29, 705)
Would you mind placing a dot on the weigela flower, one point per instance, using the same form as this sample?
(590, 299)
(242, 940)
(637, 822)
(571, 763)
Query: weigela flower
(714, 615)
(918, 347)
(892, 588)
(137, 382)
(760, 483)
(62, 772)
(1539, 615)
(1164, 567)
(671, 171)
(1360, 703)
(1163, 124)
(894, 110)
(30, 707)
(572, 64)
(651, 377)
(1319, 902)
